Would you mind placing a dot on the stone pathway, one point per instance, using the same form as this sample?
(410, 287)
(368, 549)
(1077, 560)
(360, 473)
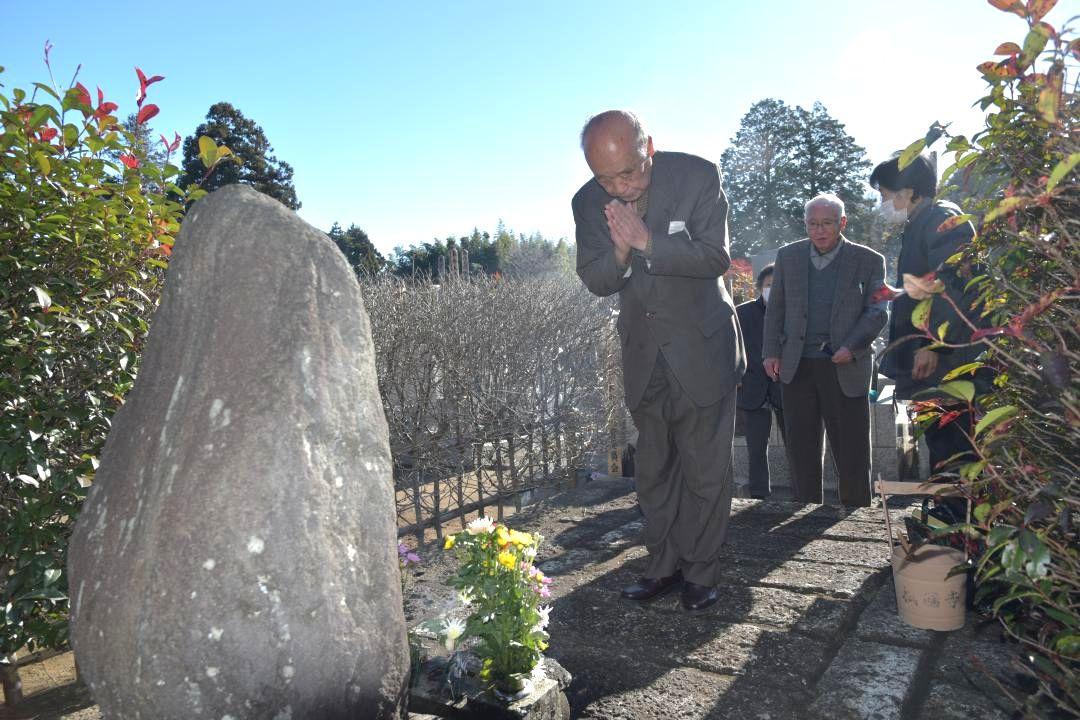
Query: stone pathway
(806, 627)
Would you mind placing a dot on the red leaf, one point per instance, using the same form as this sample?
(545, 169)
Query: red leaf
(47, 134)
(100, 96)
(999, 70)
(987, 332)
(166, 250)
(1013, 6)
(104, 110)
(171, 147)
(129, 160)
(1039, 8)
(84, 95)
(146, 113)
(951, 223)
(886, 293)
(1038, 307)
(948, 417)
(143, 84)
(740, 266)
(1008, 48)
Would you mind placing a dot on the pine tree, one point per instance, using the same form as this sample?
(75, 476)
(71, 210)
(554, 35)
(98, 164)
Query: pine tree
(758, 179)
(363, 256)
(780, 158)
(827, 160)
(257, 166)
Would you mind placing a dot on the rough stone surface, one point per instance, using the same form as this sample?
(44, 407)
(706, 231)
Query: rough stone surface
(236, 555)
(951, 701)
(830, 580)
(881, 623)
(866, 681)
(972, 662)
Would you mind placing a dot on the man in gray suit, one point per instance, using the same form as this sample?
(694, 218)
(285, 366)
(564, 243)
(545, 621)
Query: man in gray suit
(819, 323)
(652, 227)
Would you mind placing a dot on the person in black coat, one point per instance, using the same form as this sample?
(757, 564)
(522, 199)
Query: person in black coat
(759, 396)
(908, 197)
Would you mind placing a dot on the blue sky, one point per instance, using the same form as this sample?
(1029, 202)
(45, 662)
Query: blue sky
(421, 120)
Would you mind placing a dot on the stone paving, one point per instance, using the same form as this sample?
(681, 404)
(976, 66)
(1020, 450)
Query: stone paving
(806, 627)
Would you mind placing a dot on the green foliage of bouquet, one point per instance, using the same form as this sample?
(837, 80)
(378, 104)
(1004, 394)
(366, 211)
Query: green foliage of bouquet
(499, 583)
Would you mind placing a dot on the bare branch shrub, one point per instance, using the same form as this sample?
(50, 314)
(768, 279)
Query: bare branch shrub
(493, 388)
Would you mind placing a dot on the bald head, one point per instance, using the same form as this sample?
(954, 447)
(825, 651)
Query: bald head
(619, 153)
(614, 126)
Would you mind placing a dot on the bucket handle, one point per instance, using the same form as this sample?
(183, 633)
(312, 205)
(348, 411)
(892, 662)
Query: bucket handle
(899, 487)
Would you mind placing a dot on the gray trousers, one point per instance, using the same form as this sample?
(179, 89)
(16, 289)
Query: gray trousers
(684, 478)
(758, 428)
(813, 401)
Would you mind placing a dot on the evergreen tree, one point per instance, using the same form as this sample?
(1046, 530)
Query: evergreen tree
(827, 159)
(758, 179)
(504, 246)
(358, 249)
(780, 158)
(257, 166)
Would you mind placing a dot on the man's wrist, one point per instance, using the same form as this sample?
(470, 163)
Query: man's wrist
(647, 250)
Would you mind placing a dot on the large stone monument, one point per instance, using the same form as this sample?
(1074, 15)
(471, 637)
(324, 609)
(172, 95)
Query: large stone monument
(236, 556)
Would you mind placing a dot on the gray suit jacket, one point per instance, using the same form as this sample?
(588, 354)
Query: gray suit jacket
(856, 318)
(673, 302)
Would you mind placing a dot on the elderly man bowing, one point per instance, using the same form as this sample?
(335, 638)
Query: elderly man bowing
(652, 227)
(819, 323)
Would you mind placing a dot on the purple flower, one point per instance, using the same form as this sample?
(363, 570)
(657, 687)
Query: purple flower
(406, 556)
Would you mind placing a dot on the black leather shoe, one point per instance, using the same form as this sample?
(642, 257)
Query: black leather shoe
(649, 588)
(698, 597)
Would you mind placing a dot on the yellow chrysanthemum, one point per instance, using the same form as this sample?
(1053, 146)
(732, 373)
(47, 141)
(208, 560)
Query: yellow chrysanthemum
(450, 540)
(503, 536)
(507, 559)
(521, 539)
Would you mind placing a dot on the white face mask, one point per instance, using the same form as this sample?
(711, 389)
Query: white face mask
(765, 294)
(891, 215)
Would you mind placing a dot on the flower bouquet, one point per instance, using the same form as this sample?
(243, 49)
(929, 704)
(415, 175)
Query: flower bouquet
(502, 589)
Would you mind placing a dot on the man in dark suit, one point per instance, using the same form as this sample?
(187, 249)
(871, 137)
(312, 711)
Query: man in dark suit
(759, 395)
(652, 227)
(819, 324)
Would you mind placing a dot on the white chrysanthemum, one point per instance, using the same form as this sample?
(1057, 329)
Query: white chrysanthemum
(465, 597)
(529, 552)
(545, 616)
(452, 630)
(480, 526)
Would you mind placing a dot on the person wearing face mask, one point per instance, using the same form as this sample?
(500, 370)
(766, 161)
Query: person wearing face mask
(759, 395)
(908, 197)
